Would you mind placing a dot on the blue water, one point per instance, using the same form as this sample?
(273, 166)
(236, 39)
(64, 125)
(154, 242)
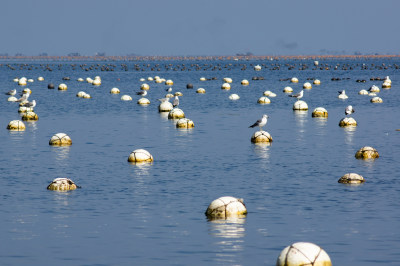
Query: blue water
(153, 214)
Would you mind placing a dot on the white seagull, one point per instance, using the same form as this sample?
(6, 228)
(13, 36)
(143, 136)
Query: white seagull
(260, 122)
(349, 110)
(31, 104)
(298, 96)
(142, 93)
(12, 92)
(176, 101)
(24, 97)
(169, 89)
(164, 99)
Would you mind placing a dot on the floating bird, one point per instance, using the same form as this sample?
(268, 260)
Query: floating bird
(12, 92)
(260, 122)
(298, 96)
(176, 101)
(349, 110)
(142, 93)
(342, 94)
(31, 104)
(169, 89)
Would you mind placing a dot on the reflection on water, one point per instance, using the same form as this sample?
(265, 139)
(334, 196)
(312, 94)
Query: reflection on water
(262, 150)
(61, 152)
(164, 115)
(32, 125)
(16, 136)
(229, 234)
(61, 218)
(321, 121)
(349, 134)
(142, 169)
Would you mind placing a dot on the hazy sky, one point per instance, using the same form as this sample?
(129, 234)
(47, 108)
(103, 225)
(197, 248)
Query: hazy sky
(188, 27)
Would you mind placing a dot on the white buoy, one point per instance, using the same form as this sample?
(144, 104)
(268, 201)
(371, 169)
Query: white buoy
(12, 99)
(22, 81)
(30, 116)
(225, 207)
(244, 82)
(227, 80)
(62, 184)
(60, 139)
(319, 112)
(307, 86)
(257, 68)
(142, 79)
(386, 85)
(363, 92)
(143, 101)
(287, 90)
(80, 94)
(234, 97)
(348, 121)
(86, 96)
(176, 113)
(96, 82)
(62, 87)
(150, 79)
(184, 123)
(367, 152)
(165, 107)
(114, 91)
(140, 156)
(169, 95)
(376, 100)
(126, 98)
(80, 79)
(40, 78)
(226, 86)
(16, 125)
(317, 82)
(24, 109)
(294, 80)
(300, 105)
(374, 88)
(351, 178)
(316, 63)
(89, 80)
(169, 82)
(269, 94)
(261, 137)
(200, 90)
(263, 100)
(158, 80)
(178, 93)
(303, 253)
(203, 79)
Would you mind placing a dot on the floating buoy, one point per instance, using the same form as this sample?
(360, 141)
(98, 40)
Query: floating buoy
(316, 63)
(165, 107)
(269, 94)
(60, 139)
(62, 184)
(24, 109)
(169, 95)
(376, 100)
(89, 80)
(126, 98)
(142, 79)
(307, 86)
(363, 92)
(40, 78)
(189, 86)
(257, 68)
(50, 86)
(386, 85)
(367, 152)
(140, 156)
(244, 82)
(80, 79)
(263, 100)
(225, 207)
(294, 80)
(169, 82)
(145, 87)
(227, 80)
(16, 125)
(30, 116)
(203, 79)
(347, 121)
(234, 97)
(114, 91)
(374, 88)
(303, 253)
(317, 82)
(184, 123)
(287, 90)
(150, 79)
(200, 90)
(226, 86)
(12, 99)
(86, 96)
(261, 137)
(96, 82)
(80, 94)
(22, 81)
(351, 178)
(143, 101)
(30, 80)
(176, 113)
(178, 93)
(62, 87)
(319, 112)
(300, 105)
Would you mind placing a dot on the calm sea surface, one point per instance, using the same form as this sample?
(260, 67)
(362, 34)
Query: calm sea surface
(153, 214)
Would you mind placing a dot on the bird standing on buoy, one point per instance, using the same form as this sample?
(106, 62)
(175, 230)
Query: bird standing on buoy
(31, 104)
(260, 122)
(176, 101)
(349, 110)
(298, 96)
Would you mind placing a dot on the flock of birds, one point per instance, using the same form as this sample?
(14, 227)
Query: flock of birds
(23, 99)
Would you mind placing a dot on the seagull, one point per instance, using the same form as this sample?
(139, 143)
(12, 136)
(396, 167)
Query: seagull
(24, 97)
(342, 94)
(176, 101)
(260, 122)
(169, 89)
(31, 104)
(298, 96)
(349, 110)
(12, 92)
(164, 100)
(373, 88)
(142, 93)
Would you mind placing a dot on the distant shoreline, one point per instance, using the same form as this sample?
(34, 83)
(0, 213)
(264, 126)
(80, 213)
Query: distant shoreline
(165, 58)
